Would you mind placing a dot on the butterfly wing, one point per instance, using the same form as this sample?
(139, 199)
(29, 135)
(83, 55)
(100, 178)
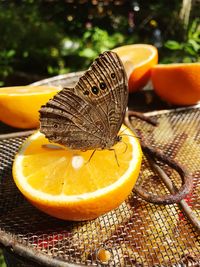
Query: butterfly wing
(105, 85)
(89, 115)
(69, 120)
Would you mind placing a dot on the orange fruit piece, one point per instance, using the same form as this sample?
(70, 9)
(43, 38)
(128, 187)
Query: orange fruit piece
(138, 59)
(66, 184)
(19, 105)
(177, 83)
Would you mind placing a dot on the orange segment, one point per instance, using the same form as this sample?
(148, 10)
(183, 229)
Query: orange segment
(177, 83)
(19, 105)
(138, 60)
(66, 184)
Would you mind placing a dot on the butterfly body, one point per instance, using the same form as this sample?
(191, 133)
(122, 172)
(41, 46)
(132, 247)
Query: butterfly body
(89, 116)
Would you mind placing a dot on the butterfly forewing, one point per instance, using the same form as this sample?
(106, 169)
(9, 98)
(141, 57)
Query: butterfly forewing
(105, 85)
(89, 115)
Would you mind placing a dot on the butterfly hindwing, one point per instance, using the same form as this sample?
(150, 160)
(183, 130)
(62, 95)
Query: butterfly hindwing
(69, 120)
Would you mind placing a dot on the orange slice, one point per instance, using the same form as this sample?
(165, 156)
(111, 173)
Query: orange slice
(66, 184)
(19, 105)
(177, 83)
(138, 59)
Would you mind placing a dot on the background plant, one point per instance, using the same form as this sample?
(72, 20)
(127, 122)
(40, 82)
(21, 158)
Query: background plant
(187, 50)
(45, 38)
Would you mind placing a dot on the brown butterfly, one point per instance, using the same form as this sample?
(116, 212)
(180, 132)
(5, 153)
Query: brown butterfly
(89, 116)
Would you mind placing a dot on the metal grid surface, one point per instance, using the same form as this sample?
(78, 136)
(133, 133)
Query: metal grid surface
(135, 234)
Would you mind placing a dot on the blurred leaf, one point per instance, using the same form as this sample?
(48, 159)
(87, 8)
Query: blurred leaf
(189, 49)
(173, 45)
(2, 262)
(25, 54)
(187, 60)
(88, 53)
(194, 45)
(10, 53)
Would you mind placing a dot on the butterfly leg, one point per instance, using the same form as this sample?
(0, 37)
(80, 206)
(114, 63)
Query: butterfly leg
(91, 156)
(112, 149)
(125, 145)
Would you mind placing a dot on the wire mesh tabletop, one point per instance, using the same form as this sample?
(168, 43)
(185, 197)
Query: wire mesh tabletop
(137, 233)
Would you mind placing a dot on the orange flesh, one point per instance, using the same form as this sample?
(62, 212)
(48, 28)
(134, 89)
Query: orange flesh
(58, 176)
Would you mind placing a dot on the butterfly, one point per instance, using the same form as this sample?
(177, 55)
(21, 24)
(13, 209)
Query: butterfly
(89, 115)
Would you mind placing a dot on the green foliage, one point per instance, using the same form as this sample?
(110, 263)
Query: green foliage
(26, 40)
(2, 262)
(6, 59)
(77, 53)
(189, 49)
(44, 38)
(34, 44)
(96, 40)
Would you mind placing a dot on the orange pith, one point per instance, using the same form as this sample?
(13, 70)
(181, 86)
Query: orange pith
(177, 83)
(19, 105)
(142, 57)
(63, 183)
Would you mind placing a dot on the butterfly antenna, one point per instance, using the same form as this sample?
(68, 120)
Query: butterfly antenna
(120, 133)
(134, 136)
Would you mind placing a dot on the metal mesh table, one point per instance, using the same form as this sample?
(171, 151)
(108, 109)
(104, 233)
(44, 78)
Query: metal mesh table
(135, 234)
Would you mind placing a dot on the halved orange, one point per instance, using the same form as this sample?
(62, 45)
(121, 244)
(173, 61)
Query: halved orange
(177, 83)
(68, 184)
(138, 59)
(19, 105)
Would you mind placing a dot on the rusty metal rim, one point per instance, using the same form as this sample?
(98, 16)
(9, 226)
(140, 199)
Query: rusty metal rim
(166, 111)
(16, 134)
(58, 78)
(12, 245)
